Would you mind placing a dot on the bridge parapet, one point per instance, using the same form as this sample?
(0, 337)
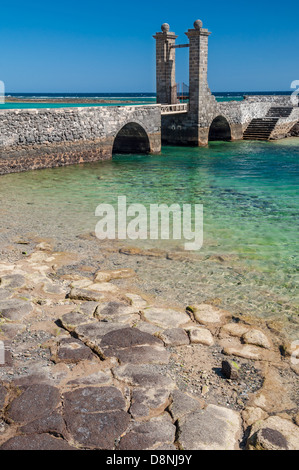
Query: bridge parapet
(174, 108)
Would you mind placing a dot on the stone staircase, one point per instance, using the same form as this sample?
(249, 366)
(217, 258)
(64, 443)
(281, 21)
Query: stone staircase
(260, 129)
(279, 112)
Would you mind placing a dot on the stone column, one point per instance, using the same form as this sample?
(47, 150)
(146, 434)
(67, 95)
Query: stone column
(201, 102)
(165, 66)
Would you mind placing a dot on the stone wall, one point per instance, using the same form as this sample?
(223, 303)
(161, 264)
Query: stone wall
(287, 126)
(294, 132)
(279, 100)
(40, 138)
(179, 129)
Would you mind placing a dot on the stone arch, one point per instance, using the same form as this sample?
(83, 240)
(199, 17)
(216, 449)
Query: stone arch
(220, 129)
(131, 138)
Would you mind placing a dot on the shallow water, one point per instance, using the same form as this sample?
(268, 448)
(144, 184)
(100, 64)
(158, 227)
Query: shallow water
(249, 191)
(118, 101)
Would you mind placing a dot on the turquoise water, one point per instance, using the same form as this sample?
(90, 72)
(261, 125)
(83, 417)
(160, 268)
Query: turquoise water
(119, 102)
(62, 105)
(249, 191)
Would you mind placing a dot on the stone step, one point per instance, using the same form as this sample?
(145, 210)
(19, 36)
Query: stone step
(279, 111)
(260, 128)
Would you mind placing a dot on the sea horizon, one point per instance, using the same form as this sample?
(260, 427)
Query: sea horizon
(132, 94)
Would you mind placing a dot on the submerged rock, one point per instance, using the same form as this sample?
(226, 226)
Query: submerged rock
(165, 317)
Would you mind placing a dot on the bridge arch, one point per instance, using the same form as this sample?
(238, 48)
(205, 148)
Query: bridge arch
(220, 129)
(131, 138)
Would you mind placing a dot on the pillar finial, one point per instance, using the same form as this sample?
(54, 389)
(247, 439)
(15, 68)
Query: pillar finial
(165, 27)
(197, 24)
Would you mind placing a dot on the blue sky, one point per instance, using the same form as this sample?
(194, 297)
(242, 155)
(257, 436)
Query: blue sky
(96, 46)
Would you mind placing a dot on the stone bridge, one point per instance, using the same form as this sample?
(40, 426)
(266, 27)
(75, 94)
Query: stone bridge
(204, 119)
(40, 138)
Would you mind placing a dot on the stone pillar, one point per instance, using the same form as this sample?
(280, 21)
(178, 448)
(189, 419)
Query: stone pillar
(165, 66)
(201, 102)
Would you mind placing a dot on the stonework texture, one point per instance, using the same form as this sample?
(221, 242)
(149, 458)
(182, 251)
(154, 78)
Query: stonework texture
(40, 138)
(207, 119)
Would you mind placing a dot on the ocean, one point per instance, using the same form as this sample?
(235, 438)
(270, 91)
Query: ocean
(136, 98)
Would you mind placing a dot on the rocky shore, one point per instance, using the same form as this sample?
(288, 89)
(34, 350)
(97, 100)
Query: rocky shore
(93, 363)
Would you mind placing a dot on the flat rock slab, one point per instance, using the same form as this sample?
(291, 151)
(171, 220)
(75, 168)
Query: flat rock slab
(246, 351)
(142, 376)
(235, 329)
(199, 335)
(214, 428)
(10, 330)
(36, 442)
(174, 337)
(207, 314)
(5, 293)
(131, 345)
(53, 423)
(50, 288)
(129, 337)
(105, 276)
(13, 281)
(183, 404)
(71, 350)
(102, 287)
(117, 312)
(136, 300)
(73, 319)
(274, 433)
(36, 401)
(15, 309)
(97, 430)
(146, 436)
(149, 402)
(88, 308)
(149, 328)
(92, 333)
(93, 399)
(142, 355)
(252, 414)
(96, 416)
(165, 317)
(257, 338)
(96, 330)
(85, 294)
(97, 378)
(130, 319)
(108, 310)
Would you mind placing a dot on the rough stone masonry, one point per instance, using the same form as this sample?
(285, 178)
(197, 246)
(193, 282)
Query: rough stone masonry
(206, 119)
(41, 138)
